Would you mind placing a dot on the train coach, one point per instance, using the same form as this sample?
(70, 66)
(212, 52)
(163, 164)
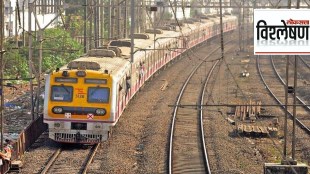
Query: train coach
(85, 98)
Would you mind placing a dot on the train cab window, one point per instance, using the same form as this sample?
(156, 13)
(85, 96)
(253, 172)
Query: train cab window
(62, 93)
(98, 95)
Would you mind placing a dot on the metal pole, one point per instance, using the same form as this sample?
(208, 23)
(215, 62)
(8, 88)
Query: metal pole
(110, 20)
(294, 110)
(132, 28)
(294, 105)
(10, 13)
(298, 4)
(117, 18)
(101, 26)
(240, 27)
(40, 70)
(85, 26)
(286, 105)
(138, 19)
(221, 28)
(247, 24)
(154, 34)
(143, 17)
(286, 99)
(30, 6)
(24, 36)
(16, 19)
(96, 23)
(34, 2)
(243, 26)
(2, 66)
(132, 31)
(125, 20)
(176, 9)
(90, 34)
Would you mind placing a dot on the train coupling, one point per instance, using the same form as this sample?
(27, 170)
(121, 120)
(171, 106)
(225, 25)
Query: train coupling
(78, 137)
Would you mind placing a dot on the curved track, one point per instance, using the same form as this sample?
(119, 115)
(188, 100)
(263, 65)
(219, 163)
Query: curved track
(200, 116)
(274, 90)
(304, 61)
(187, 150)
(284, 84)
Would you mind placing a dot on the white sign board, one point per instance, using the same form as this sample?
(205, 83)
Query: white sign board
(281, 32)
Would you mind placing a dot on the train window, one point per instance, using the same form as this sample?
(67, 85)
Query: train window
(62, 93)
(98, 95)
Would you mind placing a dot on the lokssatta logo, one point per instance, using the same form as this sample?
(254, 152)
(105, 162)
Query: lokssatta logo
(281, 32)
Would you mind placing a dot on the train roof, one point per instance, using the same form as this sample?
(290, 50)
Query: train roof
(116, 57)
(102, 64)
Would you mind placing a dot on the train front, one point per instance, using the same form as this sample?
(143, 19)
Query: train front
(77, 106)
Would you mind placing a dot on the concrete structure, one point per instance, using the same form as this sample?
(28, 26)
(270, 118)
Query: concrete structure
(16, 19)
(179, 5)
(185, 8)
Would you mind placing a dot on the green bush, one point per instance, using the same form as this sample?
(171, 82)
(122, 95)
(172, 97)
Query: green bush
(58, 49)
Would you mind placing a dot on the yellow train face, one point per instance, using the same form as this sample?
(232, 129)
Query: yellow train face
(79, 95)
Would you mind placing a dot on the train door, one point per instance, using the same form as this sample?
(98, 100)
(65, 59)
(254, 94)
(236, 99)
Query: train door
(204, 34)
(121, 96)
(152, 62)
(140, 72)
(210, 32)
(174, 47)
(161, 55)
(135, 76)
(155, 63)
(147, 65)
(128, 84)
(168, 53)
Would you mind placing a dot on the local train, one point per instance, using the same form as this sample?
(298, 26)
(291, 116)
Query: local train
(85, 98)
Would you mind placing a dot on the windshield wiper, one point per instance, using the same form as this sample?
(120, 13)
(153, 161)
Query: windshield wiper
(63, 86)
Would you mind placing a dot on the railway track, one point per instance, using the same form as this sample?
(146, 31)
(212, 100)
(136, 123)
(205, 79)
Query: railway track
(200, 116)
(304, 61)
(277, 91)
(302, 102)
(69, 160)
(187, 150)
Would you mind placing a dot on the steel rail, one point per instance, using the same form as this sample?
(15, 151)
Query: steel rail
(304, 127)
(284, 84)
(200, 115)
(84, 168)
(51, 161)
(176, 107)
(90, 158)
(303, 60)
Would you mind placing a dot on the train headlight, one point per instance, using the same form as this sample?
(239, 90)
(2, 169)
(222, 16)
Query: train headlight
(65, 74)
(100, 111)
(81, 73)
(57, 110)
